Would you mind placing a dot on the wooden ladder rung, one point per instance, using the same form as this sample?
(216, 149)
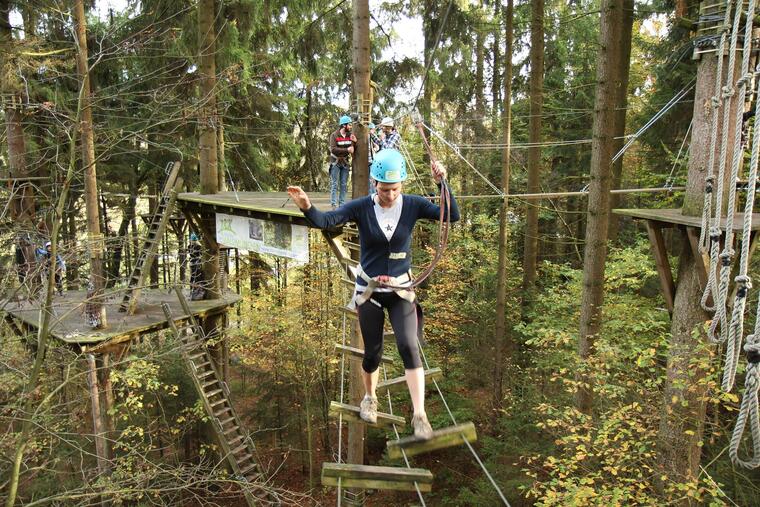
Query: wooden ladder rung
(218, 402)
(210, 382)
(351, 413)
(205, 374)
(349, 311)
(353, 351)
(228, 420)
(239, 448)
(230, 430)
(213, 393)
(446, 437)
(397, 383)
(376, 477)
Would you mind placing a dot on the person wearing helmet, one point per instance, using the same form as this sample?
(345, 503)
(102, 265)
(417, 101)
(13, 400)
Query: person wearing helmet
(43, 256)
(374, 147)
(342, 143)
(389, 136)
(385, 222)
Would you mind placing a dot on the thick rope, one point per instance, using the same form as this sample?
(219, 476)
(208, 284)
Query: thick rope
(749, 406)
(716, 102)
(743, 281)
(454, 421)
(735, 330)
(721, 319)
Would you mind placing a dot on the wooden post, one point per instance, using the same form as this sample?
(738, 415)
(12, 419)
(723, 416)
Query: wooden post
(361, 60)
(95, 311)
(654, 229)
(97, 418)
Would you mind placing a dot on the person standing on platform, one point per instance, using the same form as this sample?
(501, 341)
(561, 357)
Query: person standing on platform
(390, 139)
(195, 252)
(374, 146)
(342, 143)
(43, 256)
(385, 222)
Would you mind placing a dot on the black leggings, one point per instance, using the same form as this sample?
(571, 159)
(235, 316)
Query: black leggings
(403, 317)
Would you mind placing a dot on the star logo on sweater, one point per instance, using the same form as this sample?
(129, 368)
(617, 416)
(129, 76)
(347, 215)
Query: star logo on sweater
(389, 227)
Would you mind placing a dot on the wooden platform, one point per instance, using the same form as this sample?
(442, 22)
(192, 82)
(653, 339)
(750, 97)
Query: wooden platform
(68, 323)
(674, 216)
(351, 413)
(275, 206)
(690, 228)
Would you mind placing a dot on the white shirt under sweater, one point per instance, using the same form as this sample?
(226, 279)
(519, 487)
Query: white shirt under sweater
(387, 219)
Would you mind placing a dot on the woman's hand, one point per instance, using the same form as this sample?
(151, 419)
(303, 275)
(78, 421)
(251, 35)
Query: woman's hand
(438, 170)
(299, 197)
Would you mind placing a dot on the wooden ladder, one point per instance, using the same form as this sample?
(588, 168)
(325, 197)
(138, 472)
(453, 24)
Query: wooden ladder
(150, 246)
(235, 443)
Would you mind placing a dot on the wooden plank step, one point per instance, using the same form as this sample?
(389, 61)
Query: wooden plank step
(222, 412)
(239, 448)
(228, 420)
(218, 402)
(197, 355)
(350, 312)
(204, 374)
(210, 383)
(203, 365)
(351, 413)
(446, 437)
(397, 383)
(213, 393)
(353, 351)
(252, 467)
(234, 428)
(236, 440)
(376, 477)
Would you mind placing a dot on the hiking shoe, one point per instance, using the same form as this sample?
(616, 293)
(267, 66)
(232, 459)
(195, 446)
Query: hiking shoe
(422, 429)
(368, 409)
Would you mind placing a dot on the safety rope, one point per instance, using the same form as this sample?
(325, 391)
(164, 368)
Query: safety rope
(398, 437)
(727, 94)
(444, 203)
(716, 102)
(749, 405)
(728, 331)
(743, 281)
(340, 415)
(454, 421)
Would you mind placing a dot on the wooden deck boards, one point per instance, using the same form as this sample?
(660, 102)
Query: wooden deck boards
(68, 323)
(674, 216)
(267, 205)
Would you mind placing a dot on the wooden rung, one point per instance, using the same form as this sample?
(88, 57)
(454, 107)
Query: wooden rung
(389, 335)
(350, 312)
(250, 468)
(234, 428)
(197, 355)
(376, 477)
(219, 401)
(397, 383)
(353, 351)
(351, 413)
(228, 420)
(446, 437)
(239, 448)
(205, 374)
(207, 363)
(213, 393)
(236, 440)
(210, 383)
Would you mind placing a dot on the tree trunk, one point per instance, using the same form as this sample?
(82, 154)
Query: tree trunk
(95, 311)
(208, 119)
(621, 106)
(595, 252)
(534, 136)
(503, 343)
(361, 59)
(683, 406)
(23, 207)
(496, 51)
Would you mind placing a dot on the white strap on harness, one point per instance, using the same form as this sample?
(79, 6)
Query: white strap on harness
(373, 284)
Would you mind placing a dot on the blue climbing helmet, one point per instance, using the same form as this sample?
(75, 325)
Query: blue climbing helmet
(388, 166)
(193, 236)
(371, 125)
(344, 120)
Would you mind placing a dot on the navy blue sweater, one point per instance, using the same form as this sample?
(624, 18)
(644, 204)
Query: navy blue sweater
(376, 250)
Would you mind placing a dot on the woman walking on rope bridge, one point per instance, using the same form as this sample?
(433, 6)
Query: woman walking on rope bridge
(385, 221)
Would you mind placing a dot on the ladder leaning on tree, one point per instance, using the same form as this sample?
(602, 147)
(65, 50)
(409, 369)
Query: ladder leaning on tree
(156, 230)
(235, 443)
